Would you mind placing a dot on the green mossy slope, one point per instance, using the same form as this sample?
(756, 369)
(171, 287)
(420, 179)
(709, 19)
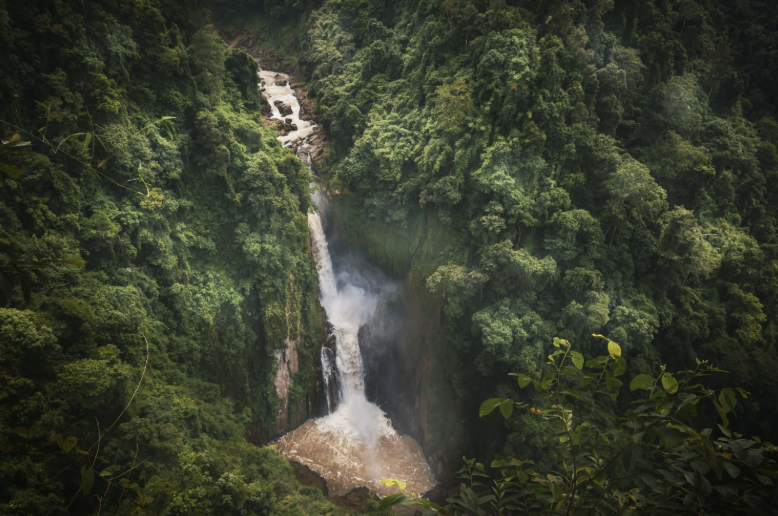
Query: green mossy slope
(194, 234)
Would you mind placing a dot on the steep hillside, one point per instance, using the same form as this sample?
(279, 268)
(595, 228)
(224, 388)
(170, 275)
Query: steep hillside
(141, 378)
(560, 168)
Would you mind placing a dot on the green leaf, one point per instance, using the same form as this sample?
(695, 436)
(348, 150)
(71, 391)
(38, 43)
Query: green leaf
(392, 482)
(506, 408)
(619, 366)
(67, 444)
(578, 359)
(87, 479)
(126, 484)
(11, 170)
(392, 500)
(144, 499)
(489, 405)
(733, 470)
(641, 381)
(69, 261)
(556, 342)
(87, 140)
(614, 349)
(669, 383)
(613, 384)
(727, 399)
(523, 379)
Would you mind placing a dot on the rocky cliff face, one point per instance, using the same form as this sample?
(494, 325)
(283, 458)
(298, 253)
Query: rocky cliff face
(294, 412)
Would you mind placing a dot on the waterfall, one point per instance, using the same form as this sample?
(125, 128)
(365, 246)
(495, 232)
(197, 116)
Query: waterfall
(327, 373)
(355, 445)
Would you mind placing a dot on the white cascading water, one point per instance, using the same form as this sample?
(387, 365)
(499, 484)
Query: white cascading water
(355, 445)
(327, 372)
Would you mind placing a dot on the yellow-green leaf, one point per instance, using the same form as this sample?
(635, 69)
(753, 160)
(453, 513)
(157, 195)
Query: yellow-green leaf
(10, 170)
(489, 405)
(614, 349)
(87, 479)
(68, 443)
(669, 383)
(145, 499)
(506, 408)
(641, 381)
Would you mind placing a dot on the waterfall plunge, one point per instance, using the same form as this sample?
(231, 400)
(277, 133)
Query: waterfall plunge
(355, 445)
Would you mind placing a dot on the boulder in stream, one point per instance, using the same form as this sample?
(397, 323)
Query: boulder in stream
(284, 109)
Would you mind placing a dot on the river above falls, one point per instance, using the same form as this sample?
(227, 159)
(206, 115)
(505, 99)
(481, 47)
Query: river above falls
(355, 445)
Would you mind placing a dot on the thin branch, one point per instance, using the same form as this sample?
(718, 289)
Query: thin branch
(99, 438)
(73, 499)
(136, 388)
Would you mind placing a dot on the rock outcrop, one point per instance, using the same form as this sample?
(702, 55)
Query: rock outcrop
(308, 477)
(284, 109)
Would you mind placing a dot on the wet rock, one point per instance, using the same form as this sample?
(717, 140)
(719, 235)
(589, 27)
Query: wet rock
(278, 125)
(308, 477)
(281, 83)
(316, 146)
(441, 492)
(307, 106)
(355, 500)
(284, 109)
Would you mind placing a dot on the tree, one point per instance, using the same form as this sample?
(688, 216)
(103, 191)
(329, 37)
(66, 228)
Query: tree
(634, 195)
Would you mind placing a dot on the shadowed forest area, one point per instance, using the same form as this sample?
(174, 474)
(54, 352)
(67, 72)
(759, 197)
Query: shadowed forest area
(540, 173)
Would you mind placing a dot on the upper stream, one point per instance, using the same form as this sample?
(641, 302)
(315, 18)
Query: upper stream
(355, 445)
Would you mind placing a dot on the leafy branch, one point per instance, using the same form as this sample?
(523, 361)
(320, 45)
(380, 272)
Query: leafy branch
(652, 458)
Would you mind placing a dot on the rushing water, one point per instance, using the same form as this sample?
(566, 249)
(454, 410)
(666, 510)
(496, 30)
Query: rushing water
(355, 445)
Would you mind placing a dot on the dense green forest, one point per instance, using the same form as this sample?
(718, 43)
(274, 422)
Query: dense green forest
(554, 168)
(193, 231)
(585, 167)
(562, 168)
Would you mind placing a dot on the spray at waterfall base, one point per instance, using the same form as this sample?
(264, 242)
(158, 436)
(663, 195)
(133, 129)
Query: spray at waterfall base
(356, 444)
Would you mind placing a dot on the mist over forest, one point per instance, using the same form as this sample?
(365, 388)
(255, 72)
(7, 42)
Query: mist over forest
(523, 251)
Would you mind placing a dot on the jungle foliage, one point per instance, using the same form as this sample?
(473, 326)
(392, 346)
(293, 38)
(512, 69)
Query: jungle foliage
(594, 166)
(654, 458)
(141, 381)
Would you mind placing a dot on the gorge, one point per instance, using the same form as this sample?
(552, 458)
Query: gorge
(354, 445)
(445, 242)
